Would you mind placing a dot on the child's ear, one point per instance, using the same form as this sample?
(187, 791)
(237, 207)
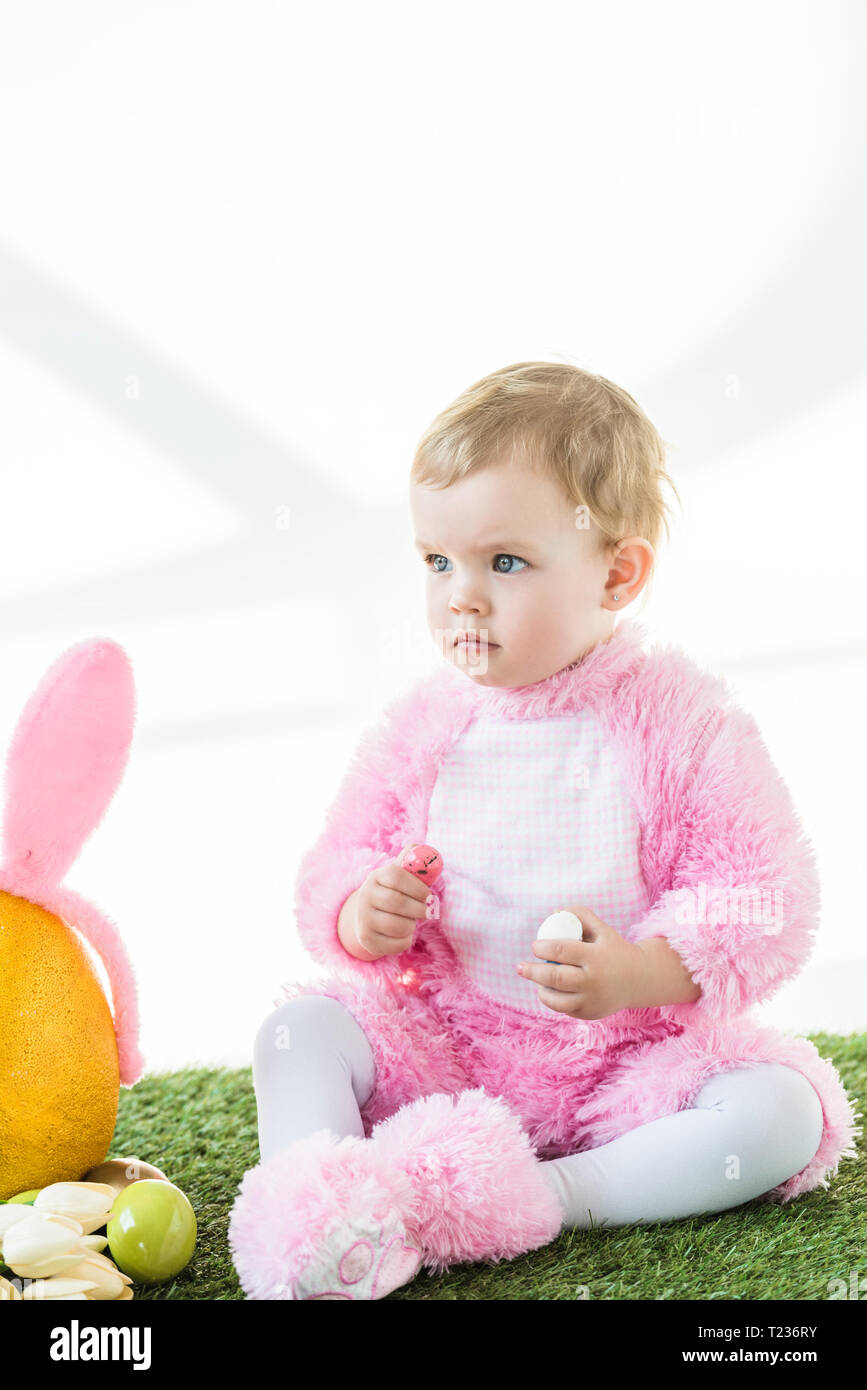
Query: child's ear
(66, 758)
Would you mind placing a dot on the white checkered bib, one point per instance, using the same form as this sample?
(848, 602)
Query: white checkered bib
(531, 815)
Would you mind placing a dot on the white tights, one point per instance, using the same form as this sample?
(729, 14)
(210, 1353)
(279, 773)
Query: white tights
(747, 1129)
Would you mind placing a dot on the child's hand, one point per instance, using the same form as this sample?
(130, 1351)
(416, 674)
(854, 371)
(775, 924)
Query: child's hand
(593, 977)
(387, 908)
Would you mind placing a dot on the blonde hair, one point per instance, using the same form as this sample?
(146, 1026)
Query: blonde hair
(578, 428)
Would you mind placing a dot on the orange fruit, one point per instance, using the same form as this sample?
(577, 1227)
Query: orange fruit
(59, 1080)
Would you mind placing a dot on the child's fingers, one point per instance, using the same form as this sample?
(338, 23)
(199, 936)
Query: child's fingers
(561, 949)
(563, 978)
(398, 903)
(388, 934)
(393, 879)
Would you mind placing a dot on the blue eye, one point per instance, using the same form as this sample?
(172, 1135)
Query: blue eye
(437, 569)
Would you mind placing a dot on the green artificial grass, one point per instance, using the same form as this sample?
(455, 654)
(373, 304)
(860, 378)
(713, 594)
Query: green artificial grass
(199, 1127)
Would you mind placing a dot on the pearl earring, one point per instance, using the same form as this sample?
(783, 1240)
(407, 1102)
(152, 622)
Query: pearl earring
(616, 597)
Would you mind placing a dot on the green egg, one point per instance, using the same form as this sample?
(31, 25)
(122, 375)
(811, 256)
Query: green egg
(151, 1230)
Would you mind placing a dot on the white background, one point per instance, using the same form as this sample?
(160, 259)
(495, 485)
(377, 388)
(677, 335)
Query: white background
(248, 251)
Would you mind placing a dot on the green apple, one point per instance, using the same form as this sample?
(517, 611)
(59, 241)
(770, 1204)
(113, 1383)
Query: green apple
(151, 1230)
(26, 1198)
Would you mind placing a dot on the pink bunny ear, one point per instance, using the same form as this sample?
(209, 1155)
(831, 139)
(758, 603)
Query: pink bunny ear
(66, 759)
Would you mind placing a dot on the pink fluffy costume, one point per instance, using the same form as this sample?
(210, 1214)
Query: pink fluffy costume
(476, 1080)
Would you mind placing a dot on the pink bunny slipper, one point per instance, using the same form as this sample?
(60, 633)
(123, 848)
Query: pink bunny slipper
(65, 761)
(315, 1221)
(443, 1180)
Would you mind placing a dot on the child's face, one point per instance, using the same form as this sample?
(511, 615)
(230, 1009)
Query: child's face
(509, 563)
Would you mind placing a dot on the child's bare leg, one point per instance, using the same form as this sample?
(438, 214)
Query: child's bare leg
(747, 1131)
(313, 1068)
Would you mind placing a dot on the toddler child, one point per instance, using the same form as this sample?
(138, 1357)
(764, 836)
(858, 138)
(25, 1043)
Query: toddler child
(455, 1090)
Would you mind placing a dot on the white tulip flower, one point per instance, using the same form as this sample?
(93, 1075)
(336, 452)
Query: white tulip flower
(59, 1287)
(52, 1245)
(89, 1203)
(108, 1282)
(43, 1245)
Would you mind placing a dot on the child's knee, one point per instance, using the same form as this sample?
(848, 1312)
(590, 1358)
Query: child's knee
(774, 1110)
(798, 1109)
(789, 1108)
(309, 1024)
(299, 1020)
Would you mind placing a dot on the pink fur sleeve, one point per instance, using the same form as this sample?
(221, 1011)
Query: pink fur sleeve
(364, 828)
(744, 896)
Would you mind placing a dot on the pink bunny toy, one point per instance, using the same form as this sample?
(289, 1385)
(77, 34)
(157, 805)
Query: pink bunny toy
(65, 761)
